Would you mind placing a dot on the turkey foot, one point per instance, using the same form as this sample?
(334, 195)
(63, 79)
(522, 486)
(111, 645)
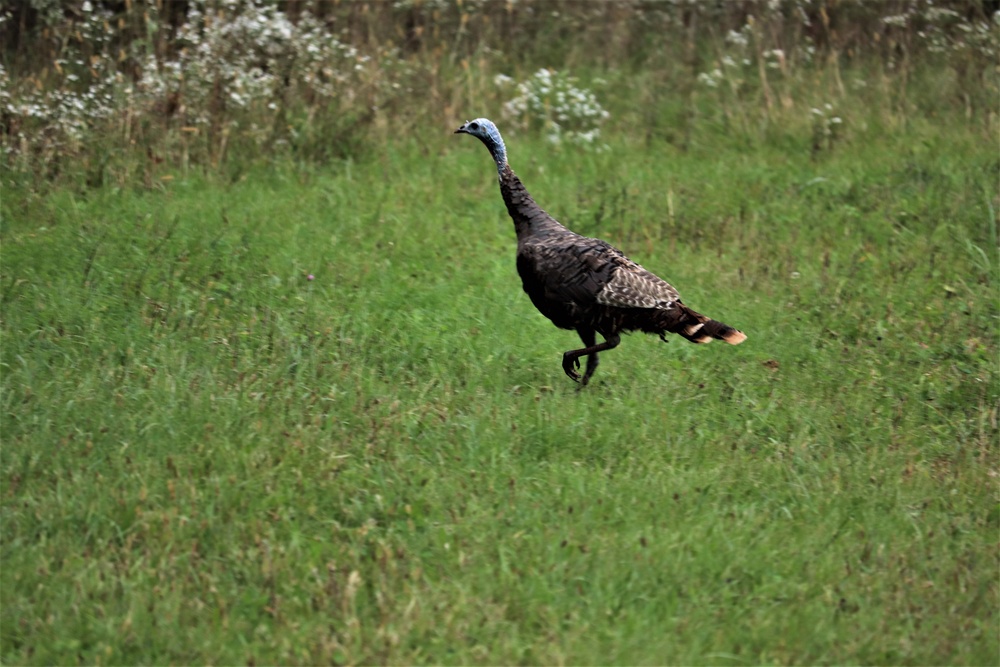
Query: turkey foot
(571, 364)
(571, 358)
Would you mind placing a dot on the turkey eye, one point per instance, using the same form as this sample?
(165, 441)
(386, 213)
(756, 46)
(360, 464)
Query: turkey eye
(474, 126)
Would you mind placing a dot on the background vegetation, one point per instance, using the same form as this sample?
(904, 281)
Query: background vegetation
(271, 392)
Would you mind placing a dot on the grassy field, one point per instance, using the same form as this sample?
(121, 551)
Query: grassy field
(306, 415)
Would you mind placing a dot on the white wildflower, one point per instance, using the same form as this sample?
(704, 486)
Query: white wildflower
(552, 100)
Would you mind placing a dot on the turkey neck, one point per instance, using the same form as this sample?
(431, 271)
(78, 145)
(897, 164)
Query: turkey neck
(529, 218)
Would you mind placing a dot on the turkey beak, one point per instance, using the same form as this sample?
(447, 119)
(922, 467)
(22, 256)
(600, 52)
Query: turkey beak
(462, 130)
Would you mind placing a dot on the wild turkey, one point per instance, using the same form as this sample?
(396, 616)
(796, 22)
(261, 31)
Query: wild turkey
(586, 284)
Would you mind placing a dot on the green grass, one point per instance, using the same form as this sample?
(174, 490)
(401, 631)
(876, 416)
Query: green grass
(208, 457)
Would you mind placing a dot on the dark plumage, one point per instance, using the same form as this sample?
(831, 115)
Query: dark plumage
(585, 284)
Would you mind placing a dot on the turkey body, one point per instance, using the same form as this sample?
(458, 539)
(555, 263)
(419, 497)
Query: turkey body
(586, 284)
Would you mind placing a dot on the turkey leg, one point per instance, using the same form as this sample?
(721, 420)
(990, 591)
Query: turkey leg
(571, 358)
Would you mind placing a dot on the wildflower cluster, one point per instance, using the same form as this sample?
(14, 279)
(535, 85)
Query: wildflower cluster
(826, 127)
(946, 31)
(552, 102)
(61, 115)
(233, 68)
(244, 55)
(733, 61)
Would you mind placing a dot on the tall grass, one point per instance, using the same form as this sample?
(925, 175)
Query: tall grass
(286, 403)
(117, 93)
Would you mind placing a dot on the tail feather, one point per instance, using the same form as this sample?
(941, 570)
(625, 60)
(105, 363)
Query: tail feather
(700, 329)
(681, 320)
(719, 331)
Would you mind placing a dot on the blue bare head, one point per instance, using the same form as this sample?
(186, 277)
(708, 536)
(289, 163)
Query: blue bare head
(486, 131)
